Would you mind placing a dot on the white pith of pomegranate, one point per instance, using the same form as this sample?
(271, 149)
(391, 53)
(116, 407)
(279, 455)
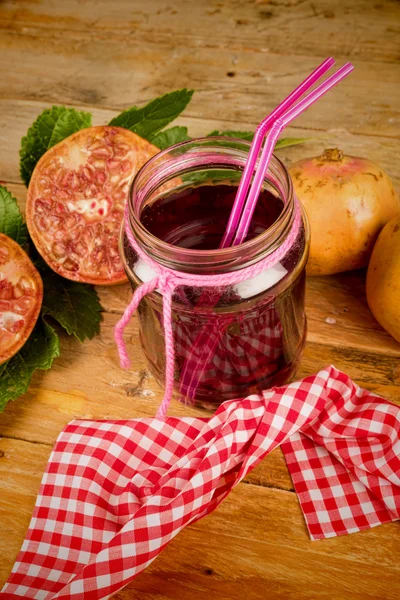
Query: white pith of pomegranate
(76, 200)
(21, 294)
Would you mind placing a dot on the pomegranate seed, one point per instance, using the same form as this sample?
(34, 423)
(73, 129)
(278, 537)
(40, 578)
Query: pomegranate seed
(88, 173)
(126, 166)
(15, 326)
(74, 181)
(6, 293)
(121, 150)
(58, 250)
(100, 177)
(113, 165)
(70, 265)
(102, 152)
(18, 291)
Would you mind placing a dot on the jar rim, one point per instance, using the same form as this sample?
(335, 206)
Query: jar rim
(265, 242)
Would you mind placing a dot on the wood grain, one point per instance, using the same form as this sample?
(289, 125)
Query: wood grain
(59, 69)
(242, 57)
(368, 30)
(22, 113)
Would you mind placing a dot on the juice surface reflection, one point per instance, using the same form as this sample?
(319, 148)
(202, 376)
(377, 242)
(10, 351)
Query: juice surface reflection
(197, 217)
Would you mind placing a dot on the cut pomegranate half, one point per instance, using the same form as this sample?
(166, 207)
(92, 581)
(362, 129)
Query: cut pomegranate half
(21, 295)
(76, 200)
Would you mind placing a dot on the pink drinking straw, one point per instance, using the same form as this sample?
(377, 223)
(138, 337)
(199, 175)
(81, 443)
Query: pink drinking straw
(257, 143)
(270, 141)
(240, 218)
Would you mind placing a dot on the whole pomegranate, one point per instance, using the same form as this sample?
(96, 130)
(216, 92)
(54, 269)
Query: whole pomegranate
(383, 279)
(348, 201)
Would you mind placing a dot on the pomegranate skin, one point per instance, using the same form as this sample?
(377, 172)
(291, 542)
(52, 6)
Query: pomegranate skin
(348, 201)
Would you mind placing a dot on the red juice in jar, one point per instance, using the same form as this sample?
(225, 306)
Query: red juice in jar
(236, 340)
(196, 218)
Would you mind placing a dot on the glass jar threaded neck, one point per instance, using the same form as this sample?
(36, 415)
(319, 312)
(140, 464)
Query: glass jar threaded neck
(207, 161)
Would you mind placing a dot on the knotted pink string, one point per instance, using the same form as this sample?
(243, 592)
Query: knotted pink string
(167, 280)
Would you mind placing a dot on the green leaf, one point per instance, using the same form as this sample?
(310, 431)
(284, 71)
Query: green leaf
(212, 177)
(153, 117)
(11, 222)
(52, 126)
(285, 142)
(243, 135)
(74, 305)
(42, 347)
(169, 137)
(248, 135)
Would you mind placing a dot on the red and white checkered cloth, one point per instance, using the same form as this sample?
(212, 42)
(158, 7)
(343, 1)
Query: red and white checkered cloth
(116, 492)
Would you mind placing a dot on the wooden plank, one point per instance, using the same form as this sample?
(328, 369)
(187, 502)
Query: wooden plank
(21, 467)
(351, 28)
(16, 116)
(65, 69)
(255, 541)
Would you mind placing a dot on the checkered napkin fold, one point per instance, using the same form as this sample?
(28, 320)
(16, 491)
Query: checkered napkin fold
(116, 492)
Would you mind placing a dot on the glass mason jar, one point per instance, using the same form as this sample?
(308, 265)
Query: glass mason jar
(236, 340)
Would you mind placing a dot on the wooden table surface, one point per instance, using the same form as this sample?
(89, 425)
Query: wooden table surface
(241, 57)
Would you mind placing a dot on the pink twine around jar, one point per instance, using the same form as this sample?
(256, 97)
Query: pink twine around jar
(167, 280)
